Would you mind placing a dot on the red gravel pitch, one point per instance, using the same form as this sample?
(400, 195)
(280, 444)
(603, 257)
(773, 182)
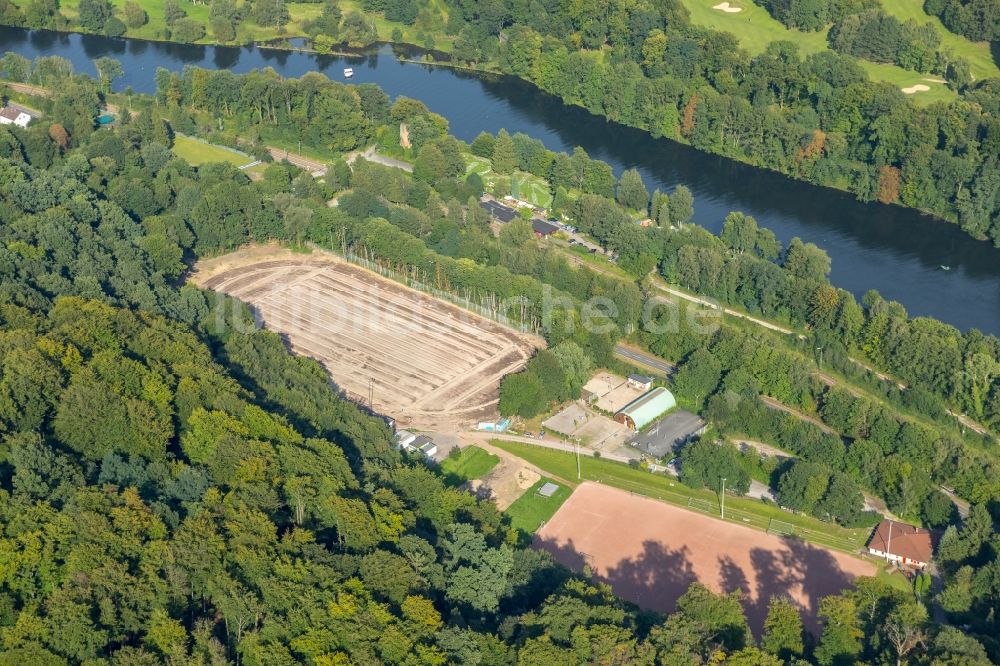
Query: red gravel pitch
(650, 552)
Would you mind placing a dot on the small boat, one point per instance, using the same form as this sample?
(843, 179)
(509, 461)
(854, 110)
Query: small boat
(348, 72)
(945, 268)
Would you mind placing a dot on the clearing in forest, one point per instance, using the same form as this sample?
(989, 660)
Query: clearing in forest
(421, 360)
(650, 552)
(196, 152)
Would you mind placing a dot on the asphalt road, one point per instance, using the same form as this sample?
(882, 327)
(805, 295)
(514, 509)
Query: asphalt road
(646, 359)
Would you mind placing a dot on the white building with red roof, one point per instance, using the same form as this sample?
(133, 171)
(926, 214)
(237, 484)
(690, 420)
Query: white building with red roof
(901, 543)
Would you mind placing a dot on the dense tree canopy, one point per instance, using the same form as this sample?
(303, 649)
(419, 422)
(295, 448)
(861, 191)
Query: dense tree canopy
(177, 487)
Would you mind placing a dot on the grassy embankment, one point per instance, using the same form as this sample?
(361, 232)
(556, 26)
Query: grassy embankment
(755, 29)
(739, 510)
(196, 152)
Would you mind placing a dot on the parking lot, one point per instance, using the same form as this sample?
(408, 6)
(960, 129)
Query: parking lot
(594, 430)
(665, 437)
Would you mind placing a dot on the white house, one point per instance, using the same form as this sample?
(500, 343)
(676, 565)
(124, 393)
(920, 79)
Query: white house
(404, 440)
(11, 116)
(901, 543)
(425, 445)
(640, 382)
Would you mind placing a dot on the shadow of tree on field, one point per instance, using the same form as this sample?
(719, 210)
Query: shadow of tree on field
(654, 579)
(799, 571)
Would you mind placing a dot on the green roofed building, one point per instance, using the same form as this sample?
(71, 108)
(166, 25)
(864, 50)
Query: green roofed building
(646, 408)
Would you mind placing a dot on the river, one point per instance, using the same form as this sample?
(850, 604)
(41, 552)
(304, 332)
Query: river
(897, 251)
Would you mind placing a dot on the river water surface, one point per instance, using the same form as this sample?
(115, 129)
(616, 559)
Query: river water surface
(897, 251)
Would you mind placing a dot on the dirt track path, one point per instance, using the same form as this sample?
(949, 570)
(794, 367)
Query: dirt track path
(771, 402)
(301, 161)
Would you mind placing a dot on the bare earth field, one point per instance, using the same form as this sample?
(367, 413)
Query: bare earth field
(505, 482)
(429, 363)
(650, 552)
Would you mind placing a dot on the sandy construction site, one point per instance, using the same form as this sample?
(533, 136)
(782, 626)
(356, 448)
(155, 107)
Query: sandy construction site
(427, 362)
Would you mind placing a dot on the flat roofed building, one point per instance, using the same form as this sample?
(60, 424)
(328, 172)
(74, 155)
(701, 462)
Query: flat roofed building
(641, 382)
(901, 543)
(542, 228)
(646, 408)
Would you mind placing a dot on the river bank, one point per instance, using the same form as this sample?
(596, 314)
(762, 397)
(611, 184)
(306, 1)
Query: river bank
(895, 250)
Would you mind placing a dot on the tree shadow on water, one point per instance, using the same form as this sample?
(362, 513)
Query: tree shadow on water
(654, 579)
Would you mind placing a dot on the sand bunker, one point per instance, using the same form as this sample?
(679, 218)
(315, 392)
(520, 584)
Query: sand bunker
(915, 89)
(724, 7)
(935, 80)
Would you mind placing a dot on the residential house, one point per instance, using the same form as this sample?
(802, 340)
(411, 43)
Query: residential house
(901, 543)
(11, 116)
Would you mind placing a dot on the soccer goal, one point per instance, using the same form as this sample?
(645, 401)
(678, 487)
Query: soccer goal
(780, 528)
(702, 505)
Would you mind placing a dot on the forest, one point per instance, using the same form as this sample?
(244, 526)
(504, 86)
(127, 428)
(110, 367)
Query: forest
(818, 118)
(978, 20)
(745, 266)
(176, 487)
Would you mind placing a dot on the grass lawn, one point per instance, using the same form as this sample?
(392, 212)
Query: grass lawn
(384, 28)
(753, 26)
(530, 510)
(530, 188)
(744, 511)
(977, 53)
(902, 78)
(755, 29)
(197, 152)
(894, 579)
(477, 164)
(257, 169)
(524, 186)
(469, 463)
(279, 140)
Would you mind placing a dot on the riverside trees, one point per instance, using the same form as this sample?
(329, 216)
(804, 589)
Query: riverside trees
(679, 80)
(177, 487)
